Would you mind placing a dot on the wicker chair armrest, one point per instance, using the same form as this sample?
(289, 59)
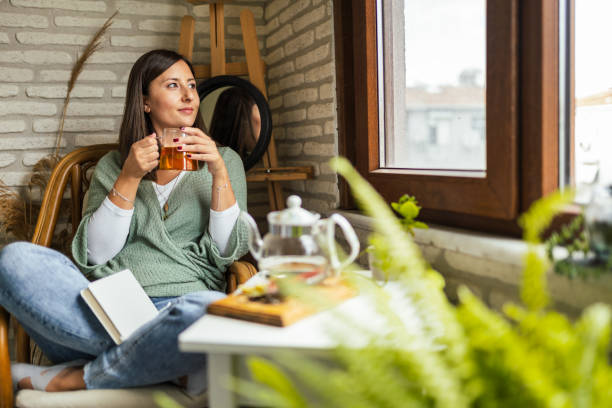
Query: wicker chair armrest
(238, 273)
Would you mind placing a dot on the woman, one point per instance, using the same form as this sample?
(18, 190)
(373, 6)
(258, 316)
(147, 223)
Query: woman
(177, 231)
(236, 121)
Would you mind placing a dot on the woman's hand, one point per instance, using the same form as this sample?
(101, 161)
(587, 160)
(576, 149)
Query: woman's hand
(143, 157)
(200, 146)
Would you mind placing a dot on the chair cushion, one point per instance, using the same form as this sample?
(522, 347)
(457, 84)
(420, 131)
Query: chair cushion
(121, 398)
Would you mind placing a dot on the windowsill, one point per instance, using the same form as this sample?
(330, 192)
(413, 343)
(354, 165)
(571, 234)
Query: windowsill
(501, 249)
(491, 266)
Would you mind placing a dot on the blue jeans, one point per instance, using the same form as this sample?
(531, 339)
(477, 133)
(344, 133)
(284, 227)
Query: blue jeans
(41, 288)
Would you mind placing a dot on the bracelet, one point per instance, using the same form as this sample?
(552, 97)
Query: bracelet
(121, 196)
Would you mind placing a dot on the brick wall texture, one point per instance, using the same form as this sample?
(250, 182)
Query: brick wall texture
(40, 40)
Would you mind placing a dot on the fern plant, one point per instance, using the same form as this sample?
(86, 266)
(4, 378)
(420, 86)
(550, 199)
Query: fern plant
(408, 209)
(464, 356)
(579, 261)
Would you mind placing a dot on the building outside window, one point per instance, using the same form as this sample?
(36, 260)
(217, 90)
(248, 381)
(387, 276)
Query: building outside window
(589, 82)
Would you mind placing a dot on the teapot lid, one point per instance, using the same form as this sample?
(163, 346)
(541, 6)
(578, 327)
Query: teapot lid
(294, 214)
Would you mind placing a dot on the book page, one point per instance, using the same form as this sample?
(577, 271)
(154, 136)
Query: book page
(124, 301)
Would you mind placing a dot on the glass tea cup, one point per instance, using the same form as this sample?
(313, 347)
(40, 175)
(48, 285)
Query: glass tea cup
(170, 157)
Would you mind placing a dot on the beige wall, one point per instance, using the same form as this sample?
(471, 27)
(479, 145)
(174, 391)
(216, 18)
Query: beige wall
(41, 39)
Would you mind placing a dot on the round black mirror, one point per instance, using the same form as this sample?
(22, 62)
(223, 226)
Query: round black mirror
(236, 114)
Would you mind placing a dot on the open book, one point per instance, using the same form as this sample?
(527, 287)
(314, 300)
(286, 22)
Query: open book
(120, 303)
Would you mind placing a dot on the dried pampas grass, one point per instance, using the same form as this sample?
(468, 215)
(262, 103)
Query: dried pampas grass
(17, 214)
(13, 222)
(94, 45)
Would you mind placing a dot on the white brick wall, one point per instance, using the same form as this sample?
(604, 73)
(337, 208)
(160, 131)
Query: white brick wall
(78, 5)
(55, 92)
(7, 159)
(301, 85)
(8, 90)
(41, 39)
(35, 57)
(23, 20)
(16, 74)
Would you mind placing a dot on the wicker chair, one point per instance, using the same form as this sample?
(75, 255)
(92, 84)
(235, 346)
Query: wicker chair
(74, 168)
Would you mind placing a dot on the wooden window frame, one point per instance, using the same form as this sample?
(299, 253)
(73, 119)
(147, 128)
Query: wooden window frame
(522, 116)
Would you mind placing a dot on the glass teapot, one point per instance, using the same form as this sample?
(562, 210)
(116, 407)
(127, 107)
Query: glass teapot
(300, 242)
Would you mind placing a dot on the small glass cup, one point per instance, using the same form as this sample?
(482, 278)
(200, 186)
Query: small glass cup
(170, 157)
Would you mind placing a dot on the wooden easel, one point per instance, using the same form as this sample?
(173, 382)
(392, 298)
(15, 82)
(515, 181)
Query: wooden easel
(255, 68)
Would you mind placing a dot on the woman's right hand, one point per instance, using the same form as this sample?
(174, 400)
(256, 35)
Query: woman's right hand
(142, 158)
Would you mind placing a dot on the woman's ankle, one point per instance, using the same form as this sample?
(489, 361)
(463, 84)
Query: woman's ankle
(69, 379)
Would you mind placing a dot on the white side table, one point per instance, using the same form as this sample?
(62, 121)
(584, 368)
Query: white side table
(225, 338)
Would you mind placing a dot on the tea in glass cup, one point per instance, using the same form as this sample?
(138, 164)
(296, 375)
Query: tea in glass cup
(310, 269)
(170, 157)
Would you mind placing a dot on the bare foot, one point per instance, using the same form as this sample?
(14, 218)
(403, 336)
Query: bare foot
(25, 384)
(69, 379)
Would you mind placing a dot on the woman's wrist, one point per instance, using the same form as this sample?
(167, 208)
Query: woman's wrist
(217, 168)
(127, 176)
(219, 174)
(123, 192)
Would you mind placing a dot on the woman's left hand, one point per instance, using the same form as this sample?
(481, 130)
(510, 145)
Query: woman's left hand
(200, 146)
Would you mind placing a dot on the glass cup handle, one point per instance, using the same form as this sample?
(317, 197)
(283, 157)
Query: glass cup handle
(349, 235)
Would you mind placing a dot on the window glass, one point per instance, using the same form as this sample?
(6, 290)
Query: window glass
(592, 92)
(433, 76)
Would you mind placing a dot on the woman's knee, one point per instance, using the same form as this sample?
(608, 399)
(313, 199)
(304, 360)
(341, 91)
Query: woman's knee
(17, 250)
(14, 256)
(23, 262)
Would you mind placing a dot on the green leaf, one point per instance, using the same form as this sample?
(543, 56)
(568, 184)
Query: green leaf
(534, 293)
(409, 210)
(419, 224)
(404, 198)
(541, 213)
(268, 374)
(164, 401)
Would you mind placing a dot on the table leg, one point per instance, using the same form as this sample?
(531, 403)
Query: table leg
(219, 377)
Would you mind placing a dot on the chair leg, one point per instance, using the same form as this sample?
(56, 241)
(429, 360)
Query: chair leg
(6, 385)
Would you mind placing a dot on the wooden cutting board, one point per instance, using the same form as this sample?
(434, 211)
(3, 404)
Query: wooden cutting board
(330, 292)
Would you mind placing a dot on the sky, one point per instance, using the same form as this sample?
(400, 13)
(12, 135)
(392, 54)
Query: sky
(443, 37)
(593, 57)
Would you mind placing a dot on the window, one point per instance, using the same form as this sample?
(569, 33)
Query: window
(432, 84)
(586, 103)
(503, 136)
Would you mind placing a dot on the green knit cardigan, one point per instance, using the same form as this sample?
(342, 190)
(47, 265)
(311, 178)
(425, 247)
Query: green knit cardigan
(175, 256)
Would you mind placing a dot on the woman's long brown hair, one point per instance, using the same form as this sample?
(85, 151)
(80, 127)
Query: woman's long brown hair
(136, 124)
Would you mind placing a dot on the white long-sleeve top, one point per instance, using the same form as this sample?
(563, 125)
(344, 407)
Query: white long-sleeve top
(109, 226)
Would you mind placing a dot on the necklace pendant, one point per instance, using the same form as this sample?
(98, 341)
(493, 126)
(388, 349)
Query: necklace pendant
(165, 211)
